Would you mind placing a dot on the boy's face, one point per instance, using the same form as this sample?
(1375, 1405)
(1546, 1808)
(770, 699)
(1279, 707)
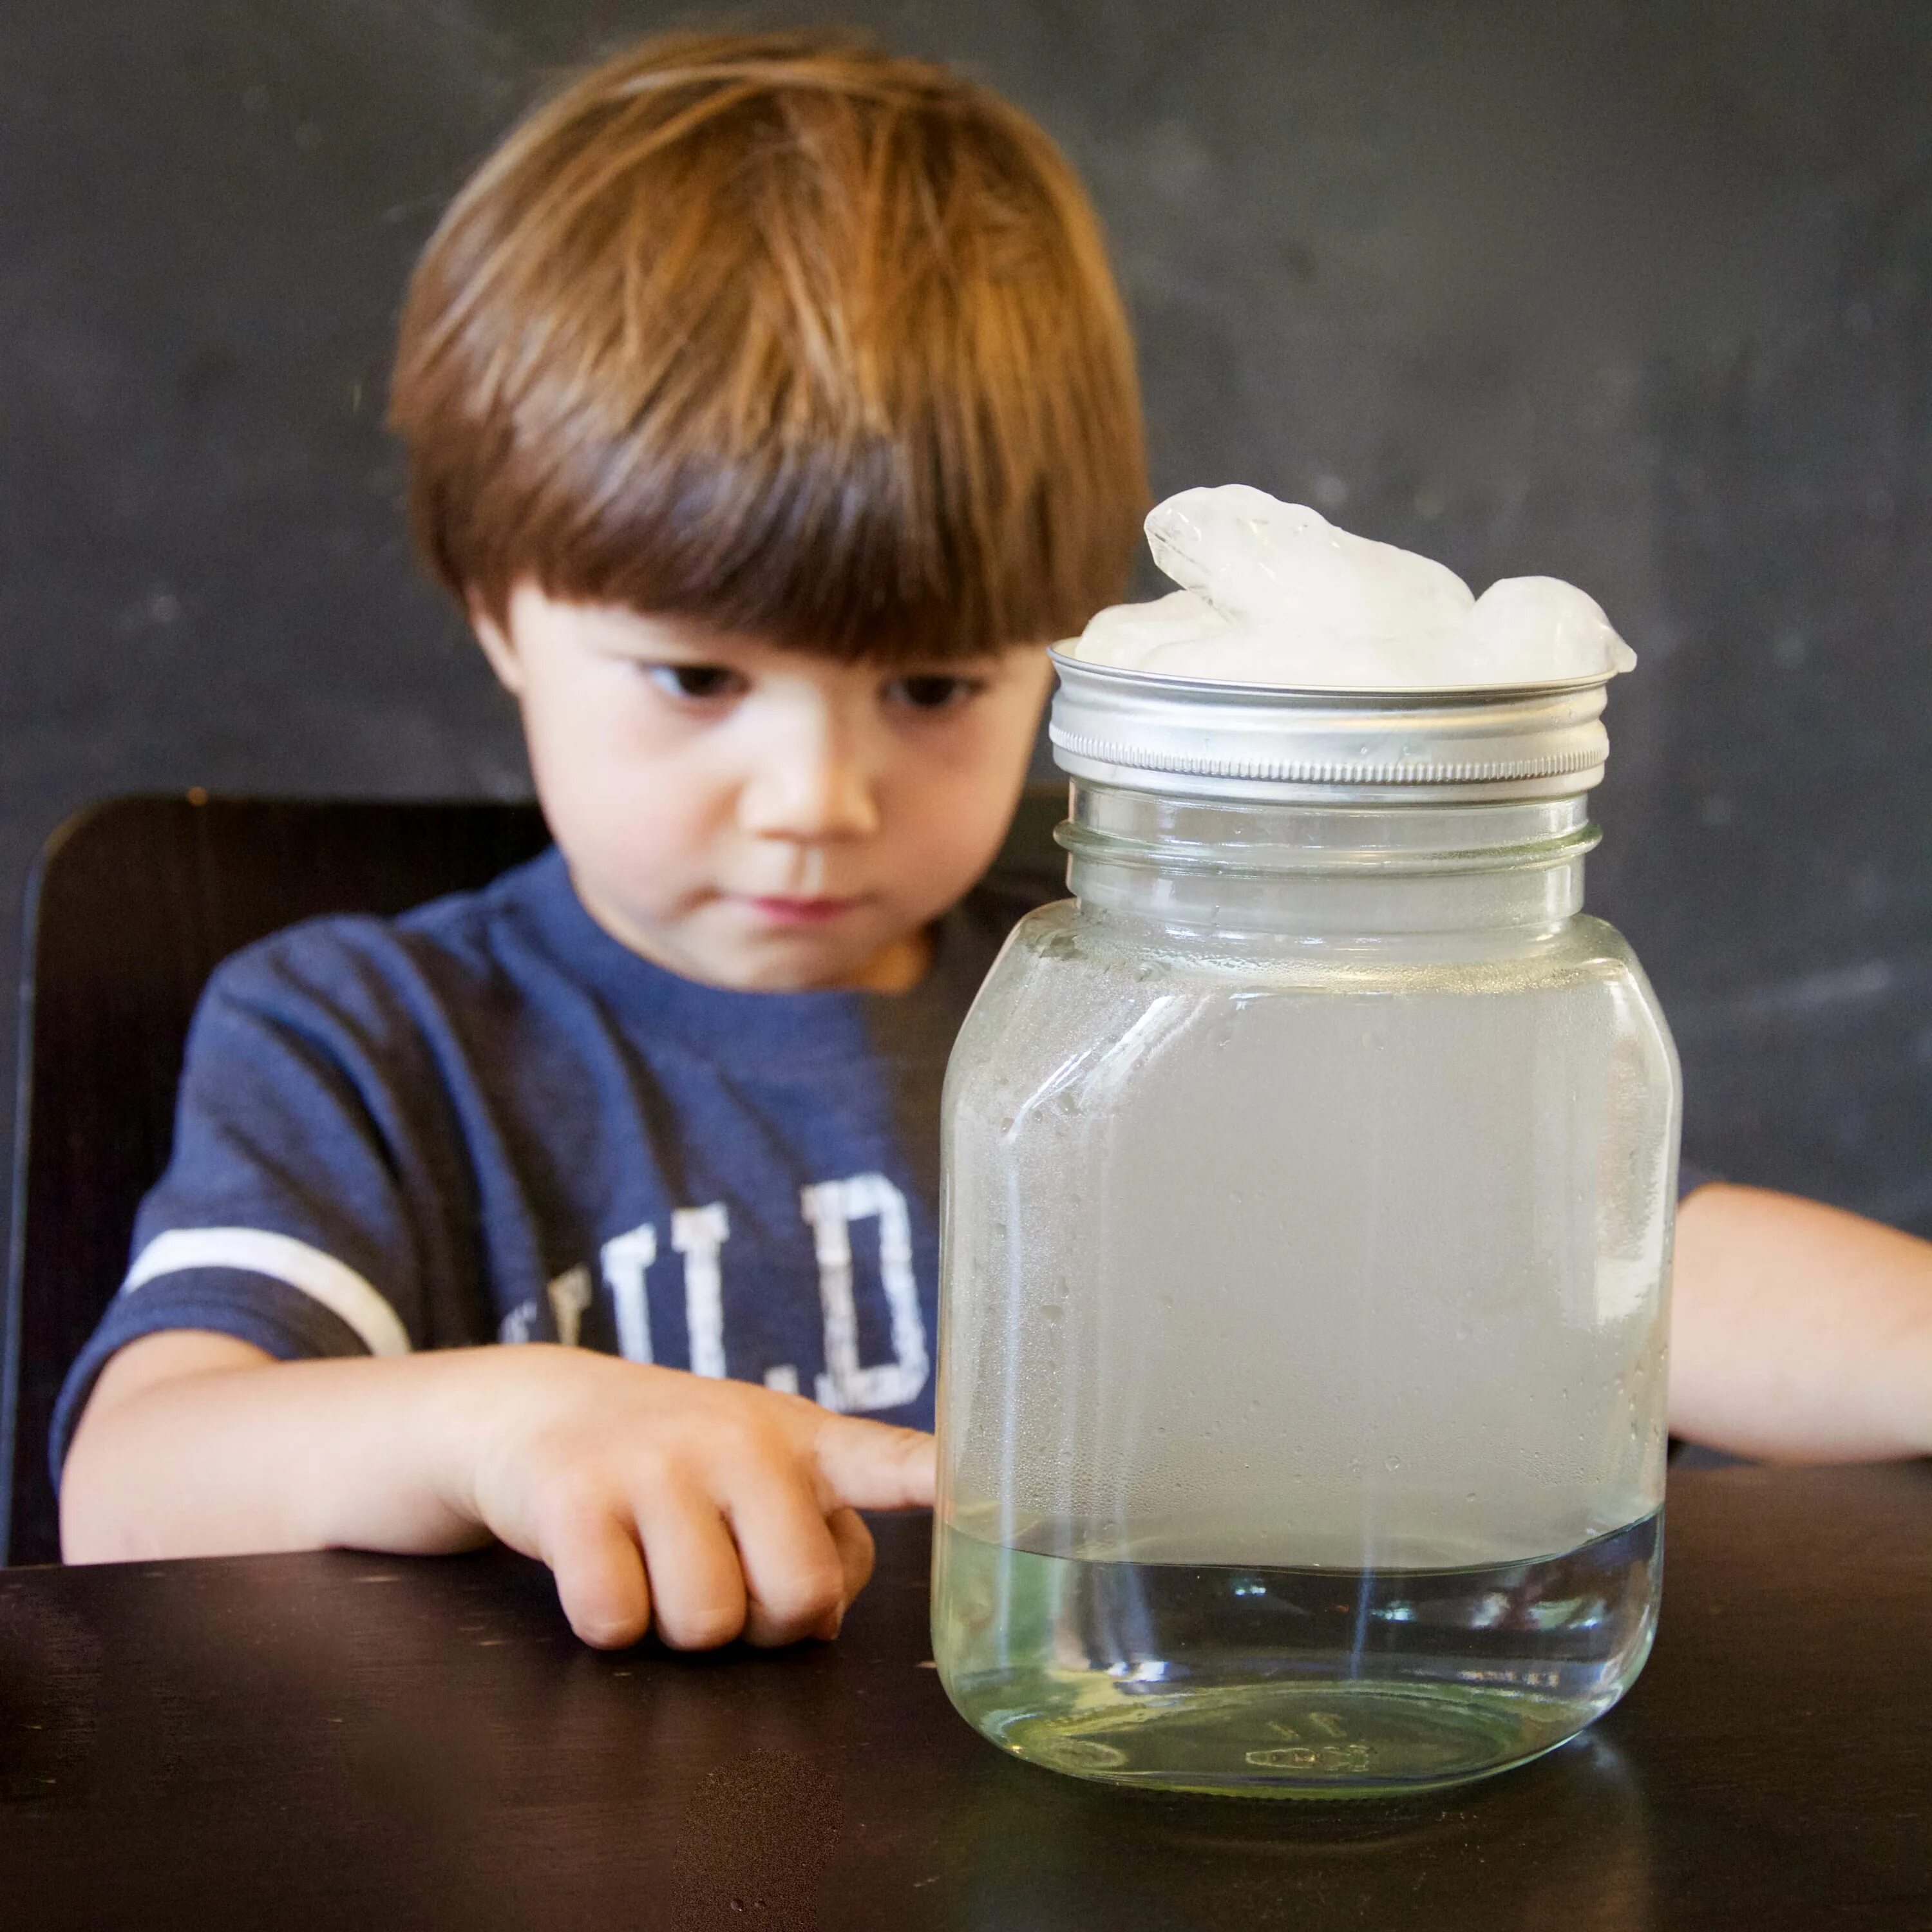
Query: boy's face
(759, 817)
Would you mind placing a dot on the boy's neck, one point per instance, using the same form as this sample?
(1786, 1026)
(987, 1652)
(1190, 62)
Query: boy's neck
(900, 967)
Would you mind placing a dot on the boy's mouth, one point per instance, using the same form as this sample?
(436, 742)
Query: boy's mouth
(781, 911)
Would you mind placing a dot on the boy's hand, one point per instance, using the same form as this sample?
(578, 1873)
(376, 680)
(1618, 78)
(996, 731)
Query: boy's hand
(708, 1509)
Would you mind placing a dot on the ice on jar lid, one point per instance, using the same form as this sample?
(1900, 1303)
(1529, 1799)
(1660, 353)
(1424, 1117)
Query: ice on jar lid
(1272, 593)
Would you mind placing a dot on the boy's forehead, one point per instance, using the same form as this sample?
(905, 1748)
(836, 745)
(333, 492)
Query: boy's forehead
(535, 613)
(533, 608)
(538, 614)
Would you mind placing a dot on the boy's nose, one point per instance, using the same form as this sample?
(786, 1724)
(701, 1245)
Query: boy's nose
(820, 794)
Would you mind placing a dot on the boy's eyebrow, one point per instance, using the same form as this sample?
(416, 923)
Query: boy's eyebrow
(667, 636)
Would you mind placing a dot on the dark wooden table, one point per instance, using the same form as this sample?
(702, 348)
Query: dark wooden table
(355, 1741)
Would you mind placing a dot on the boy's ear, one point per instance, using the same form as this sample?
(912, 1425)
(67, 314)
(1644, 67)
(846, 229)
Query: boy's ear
(498, 646)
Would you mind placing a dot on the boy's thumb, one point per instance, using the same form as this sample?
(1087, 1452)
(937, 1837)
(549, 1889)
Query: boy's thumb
(872, 1465)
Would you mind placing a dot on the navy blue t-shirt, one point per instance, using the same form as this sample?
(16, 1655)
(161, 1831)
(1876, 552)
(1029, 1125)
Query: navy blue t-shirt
(488, 1119)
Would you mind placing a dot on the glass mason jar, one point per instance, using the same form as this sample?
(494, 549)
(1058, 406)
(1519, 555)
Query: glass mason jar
(1308, 1186)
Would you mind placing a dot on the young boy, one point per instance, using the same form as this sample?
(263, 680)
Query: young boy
(770, 404)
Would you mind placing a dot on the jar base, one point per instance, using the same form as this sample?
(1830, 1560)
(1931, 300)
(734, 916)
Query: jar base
(1290, 1683)
(1276, 1740)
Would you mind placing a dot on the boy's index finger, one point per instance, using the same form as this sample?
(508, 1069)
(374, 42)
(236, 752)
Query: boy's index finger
(873, 1465)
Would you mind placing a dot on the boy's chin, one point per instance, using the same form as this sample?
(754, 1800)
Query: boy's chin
(799, 961)
(797, 966)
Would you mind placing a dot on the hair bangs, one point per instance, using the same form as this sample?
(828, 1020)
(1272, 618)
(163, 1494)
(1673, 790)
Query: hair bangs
(784, 336)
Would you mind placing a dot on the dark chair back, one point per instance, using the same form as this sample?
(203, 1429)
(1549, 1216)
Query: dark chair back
(133, 905)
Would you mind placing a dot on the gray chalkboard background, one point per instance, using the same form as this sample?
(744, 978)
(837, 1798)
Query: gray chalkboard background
(1637, 295)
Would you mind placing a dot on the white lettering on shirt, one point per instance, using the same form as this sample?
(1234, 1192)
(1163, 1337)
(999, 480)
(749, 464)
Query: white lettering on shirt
(569, 1296)
(831, 1206)
(699, 1234)
(626, 1261)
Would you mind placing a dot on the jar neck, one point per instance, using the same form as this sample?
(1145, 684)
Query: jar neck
(1327, 871)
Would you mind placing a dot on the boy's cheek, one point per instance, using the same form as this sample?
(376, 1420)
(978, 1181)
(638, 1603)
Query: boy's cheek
(936, 861)
(649, 839)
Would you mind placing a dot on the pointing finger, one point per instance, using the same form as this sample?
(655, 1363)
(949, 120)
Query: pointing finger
(872, 1465)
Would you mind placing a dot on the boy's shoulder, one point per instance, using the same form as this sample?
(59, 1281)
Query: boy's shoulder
(479, 937)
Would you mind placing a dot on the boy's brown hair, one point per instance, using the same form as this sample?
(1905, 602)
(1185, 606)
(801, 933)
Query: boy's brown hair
(784, 334)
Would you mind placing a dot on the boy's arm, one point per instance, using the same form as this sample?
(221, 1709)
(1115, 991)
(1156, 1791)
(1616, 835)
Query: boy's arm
(1799, 1332)
(709, 1508)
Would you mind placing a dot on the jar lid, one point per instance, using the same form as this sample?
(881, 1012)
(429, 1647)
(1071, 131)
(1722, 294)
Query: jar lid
(1193, 739)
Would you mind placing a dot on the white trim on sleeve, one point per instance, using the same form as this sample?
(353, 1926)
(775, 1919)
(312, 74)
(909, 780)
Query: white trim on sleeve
(255, 1251)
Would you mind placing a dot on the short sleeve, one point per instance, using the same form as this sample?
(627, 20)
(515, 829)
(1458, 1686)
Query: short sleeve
(292, 1212)
(1690, 1179)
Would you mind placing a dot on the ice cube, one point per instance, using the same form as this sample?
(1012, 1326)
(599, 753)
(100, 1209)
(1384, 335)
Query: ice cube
(1312, 661)
(1286, 564)
(1125, 633)
(1528, 627)
(1273, 593)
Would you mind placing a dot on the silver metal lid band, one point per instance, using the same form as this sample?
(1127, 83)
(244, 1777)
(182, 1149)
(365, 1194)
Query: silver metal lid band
(1187, 737)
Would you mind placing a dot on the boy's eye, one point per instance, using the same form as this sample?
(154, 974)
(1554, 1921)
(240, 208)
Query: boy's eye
(695, 680)
(932, 690)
